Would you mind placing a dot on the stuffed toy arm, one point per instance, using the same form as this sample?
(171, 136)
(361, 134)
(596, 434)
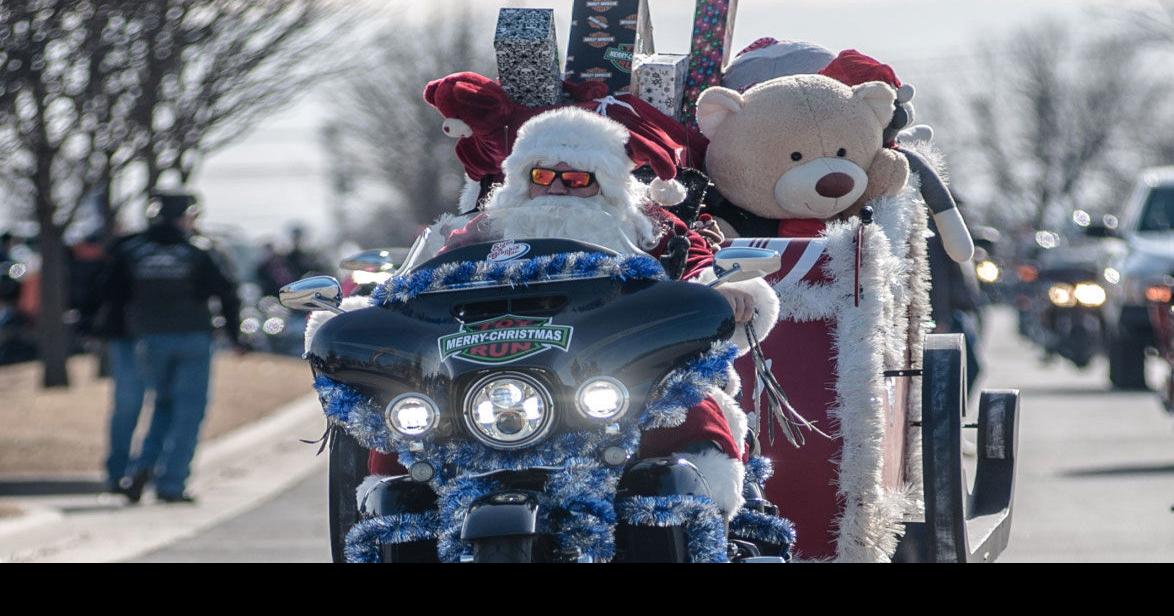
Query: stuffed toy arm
(952, 228)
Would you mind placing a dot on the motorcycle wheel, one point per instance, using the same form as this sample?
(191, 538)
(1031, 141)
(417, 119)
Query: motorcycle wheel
(1127, 362)
(509, 549)
(348, 467)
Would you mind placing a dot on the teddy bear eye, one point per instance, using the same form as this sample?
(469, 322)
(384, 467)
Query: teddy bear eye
(795, 156)
(841, 152)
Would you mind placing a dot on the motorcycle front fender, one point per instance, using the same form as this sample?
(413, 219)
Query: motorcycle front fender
(506, 512)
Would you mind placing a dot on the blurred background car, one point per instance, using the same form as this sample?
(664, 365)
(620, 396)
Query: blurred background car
(1141, 257)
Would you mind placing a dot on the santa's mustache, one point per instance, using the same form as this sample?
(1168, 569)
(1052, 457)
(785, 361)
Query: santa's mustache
(586, 219)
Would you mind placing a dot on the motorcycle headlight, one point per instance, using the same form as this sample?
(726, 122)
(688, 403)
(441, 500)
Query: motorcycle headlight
(602, 398)
(987, 271)
(1062, 295)
(508, 411)
(1090, 294)
(411, 415)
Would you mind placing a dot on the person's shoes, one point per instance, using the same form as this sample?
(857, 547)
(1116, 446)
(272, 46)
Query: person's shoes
(132, 486)
(182, 497)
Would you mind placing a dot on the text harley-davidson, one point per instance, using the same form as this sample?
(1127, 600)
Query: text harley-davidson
(514, 381)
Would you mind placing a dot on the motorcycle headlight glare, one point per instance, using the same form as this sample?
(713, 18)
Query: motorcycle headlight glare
(1062, 295)
(1089, 294)
(602, 398)
(411, 415)
(508, 411)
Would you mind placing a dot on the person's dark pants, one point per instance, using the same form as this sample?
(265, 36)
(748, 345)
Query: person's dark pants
(129, 388)
(177, 368)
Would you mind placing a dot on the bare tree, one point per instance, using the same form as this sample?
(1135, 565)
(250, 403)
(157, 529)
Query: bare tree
(91, 87)
(215, 66)
(393, 137)
(1152, 24)
(1060, 122)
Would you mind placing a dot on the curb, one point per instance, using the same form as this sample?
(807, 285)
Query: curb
(231, 474)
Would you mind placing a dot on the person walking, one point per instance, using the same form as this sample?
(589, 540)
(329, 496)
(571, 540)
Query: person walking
(163, 279)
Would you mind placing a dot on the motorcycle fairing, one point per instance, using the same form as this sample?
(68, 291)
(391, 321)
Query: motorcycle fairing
(582, 491)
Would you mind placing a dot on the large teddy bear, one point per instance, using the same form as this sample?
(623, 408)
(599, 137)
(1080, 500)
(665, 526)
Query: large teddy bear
(793, 152)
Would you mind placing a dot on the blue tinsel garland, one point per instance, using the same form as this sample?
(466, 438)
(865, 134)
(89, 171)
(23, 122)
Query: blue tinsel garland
(519, 272)
(758, 470)
(703, 522)
(757, 526)
(365, 537)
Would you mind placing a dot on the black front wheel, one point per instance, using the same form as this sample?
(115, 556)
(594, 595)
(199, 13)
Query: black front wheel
(509, 549)
(348, 467)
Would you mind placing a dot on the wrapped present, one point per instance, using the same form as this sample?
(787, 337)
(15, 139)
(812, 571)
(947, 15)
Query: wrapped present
(659, 80)
(605, 34)
(713, 29)
(527, 56)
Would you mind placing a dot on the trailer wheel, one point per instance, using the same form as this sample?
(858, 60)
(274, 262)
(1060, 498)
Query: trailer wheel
(347, 468)
(962, 525)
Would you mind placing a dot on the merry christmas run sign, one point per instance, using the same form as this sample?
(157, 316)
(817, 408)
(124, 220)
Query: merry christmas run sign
(604, 34)
(504, 339)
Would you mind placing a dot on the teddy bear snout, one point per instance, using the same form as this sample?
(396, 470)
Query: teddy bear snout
(834, 185)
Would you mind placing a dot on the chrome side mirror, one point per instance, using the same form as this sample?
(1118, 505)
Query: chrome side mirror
(743, 263)
(313, 293)
(374, 261)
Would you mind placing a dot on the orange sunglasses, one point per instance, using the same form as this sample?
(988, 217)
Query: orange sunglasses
(571, 178)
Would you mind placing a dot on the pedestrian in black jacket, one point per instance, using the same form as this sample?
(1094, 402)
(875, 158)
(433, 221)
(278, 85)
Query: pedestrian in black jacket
(158, 284)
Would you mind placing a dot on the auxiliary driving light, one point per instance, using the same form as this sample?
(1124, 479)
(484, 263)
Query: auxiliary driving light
(602, 398)
(411, 415)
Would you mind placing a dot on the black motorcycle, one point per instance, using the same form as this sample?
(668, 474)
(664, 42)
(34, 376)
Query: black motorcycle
(514, 380)
(1069, 302)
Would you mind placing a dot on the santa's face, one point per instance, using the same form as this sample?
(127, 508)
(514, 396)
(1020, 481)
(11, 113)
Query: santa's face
(584, 214)
(558, 187)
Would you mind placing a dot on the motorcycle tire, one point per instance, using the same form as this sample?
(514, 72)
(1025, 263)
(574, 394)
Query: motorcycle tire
(509, 549)
(1127, 363)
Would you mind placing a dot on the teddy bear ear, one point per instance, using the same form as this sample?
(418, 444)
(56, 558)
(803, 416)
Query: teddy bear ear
(715, 105)
(879, 97)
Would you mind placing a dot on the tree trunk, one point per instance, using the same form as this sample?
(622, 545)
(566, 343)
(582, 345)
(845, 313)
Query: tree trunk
(53, 335)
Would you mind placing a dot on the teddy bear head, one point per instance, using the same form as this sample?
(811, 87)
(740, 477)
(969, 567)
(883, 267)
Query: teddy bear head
(801, 146)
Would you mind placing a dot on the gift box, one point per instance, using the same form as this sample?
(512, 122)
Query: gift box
(605, 35)
(659, 80)
(713, 30)
(527, 56)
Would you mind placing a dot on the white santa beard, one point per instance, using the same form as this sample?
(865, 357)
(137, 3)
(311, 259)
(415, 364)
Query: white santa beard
(585, 219)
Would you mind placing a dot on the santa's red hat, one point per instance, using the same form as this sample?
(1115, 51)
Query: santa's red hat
(592, 142)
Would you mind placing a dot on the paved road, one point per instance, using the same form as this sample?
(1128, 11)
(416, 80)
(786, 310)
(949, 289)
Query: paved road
(1096, 479)
(1096, 467)
(291, 528)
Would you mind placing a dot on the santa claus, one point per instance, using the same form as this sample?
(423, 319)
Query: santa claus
(569, 175)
